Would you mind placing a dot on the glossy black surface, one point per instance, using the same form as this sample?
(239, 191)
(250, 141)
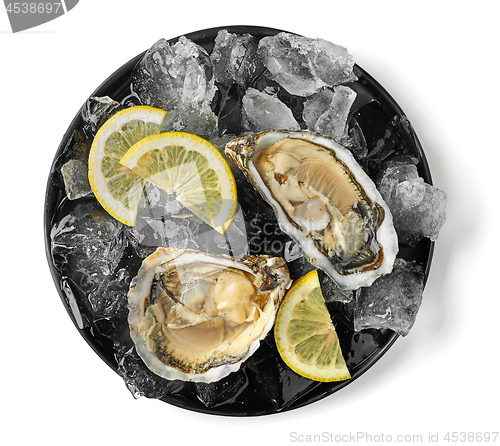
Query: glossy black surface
(264, 384)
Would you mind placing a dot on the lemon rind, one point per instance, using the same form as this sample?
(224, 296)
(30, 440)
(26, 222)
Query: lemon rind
(293, 296)
(98, 182)
(227, 183)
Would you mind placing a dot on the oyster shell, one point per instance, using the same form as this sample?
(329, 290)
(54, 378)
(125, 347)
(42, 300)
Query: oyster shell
(197, 317)
(324, 200)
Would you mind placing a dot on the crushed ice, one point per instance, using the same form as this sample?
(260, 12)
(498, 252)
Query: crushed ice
(280, 82)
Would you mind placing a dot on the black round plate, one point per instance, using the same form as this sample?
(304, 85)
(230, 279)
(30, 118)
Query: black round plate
(264, 384)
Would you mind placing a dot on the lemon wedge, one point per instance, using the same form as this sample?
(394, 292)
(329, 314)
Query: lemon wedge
(191, 168)
(116, 187)
(305, 336)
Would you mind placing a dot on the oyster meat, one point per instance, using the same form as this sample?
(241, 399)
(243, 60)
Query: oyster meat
(197, 317)
(323, 200)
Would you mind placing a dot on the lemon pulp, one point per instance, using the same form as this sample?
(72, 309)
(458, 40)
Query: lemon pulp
(115, 186)
(305, 335)
(190, 167)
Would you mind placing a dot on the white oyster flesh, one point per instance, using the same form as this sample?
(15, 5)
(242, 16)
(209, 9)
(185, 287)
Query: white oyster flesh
(197, 317)
(324, 200)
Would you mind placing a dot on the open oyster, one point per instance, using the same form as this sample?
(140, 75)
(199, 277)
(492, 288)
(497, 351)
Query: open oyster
(197, 317)
(324, 200)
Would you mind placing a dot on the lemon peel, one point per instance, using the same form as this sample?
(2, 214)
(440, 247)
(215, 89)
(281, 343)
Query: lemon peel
(305, 335)
(115, 186)
(193, 169)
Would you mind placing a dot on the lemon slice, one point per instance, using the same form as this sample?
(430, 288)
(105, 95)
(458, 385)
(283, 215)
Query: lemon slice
(190, 167)
(305, 335)
(116, 187)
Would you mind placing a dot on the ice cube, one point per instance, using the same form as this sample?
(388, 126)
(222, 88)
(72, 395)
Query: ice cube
(418, 209)
(94, 112)
(97, 109)
(164, 221)
(267, 84)
(327, 111)
(235, 59)
(392, 301)
(178, 233)
(141, 381)
(393, 172)
(356, 142)
(109, 300)
(263, 112)
(316, 105)
(175, 76)
(302, 65)
(76, 179)
(144, 241)
(233, 242)
(191, 120)
(88, 243)
(166, 230)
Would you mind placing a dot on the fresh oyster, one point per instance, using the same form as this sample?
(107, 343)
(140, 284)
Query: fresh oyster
(324, 200)
(197, 317)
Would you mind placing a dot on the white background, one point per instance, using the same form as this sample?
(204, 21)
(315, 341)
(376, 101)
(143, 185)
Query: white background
(438, 60)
